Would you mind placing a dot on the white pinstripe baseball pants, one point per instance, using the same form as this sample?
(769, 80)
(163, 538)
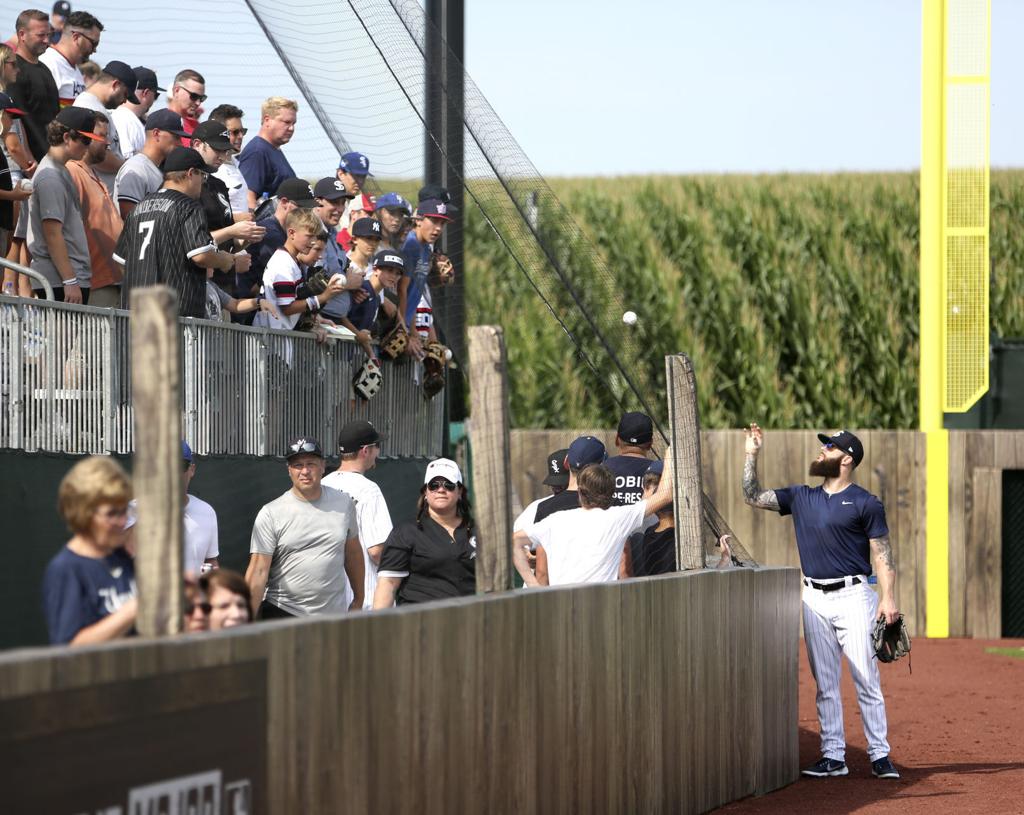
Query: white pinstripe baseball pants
(836, 624)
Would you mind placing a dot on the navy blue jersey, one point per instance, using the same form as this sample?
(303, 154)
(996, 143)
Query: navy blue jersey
(833, 531)
(629, 478)
(362, 315)
(79, 591)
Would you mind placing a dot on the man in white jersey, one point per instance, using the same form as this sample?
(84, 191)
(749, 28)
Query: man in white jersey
(359, 446)
(841, 533)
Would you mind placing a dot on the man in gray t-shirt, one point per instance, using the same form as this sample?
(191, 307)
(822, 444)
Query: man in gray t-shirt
(137, 178)
(56, 234)
(305, 552)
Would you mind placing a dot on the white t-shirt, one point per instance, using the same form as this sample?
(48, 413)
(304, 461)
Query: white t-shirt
(372, 518)
(238, 190)
(200, 534)
(525, 519)
(68, 77)
(585, 545)
(130, 131)
(280, 280)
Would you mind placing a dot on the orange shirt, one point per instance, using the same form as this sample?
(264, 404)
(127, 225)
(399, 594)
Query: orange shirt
(102, 224)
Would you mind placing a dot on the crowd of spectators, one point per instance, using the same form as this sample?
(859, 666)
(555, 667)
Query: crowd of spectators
(327, 544)
(102, 189)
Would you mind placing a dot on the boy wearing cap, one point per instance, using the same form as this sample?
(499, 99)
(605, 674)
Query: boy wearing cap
(841, 533)
(305, 556)
(359, 446)
(361, 206)
(292, 194)
(81, 38)
(165, 238)
(262, 162)
(56, 232)
(557, 478)
(387, 270)
(238, 191)
(130, 118)
(283, 275)
(116, 85)
(414, 300)
(633, 441)
(141, 175)
(331, 197)
(353, 168)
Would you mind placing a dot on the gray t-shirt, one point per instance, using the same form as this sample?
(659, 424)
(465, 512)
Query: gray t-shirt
(86, 99)
(216, 300)
(307, 542)
(137, 178)
(55, 198)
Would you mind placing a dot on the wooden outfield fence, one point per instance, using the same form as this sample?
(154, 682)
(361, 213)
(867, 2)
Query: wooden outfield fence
(621, 697)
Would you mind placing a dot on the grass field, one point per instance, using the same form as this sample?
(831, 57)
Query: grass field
(796, 295)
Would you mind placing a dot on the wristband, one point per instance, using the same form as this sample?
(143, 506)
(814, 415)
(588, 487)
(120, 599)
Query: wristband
(312, 304)
(72, 282)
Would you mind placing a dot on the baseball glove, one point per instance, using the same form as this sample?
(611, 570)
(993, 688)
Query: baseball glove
(433, 369)
(890, 642)
(367, 380)
(441, 271)
(314, 284)
(393, 344)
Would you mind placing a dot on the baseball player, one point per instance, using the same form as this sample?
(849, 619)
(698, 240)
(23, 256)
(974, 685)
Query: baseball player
(841, 535)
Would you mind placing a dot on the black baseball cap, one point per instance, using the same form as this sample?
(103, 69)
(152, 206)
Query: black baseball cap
(184, 158)
(558, 474)
(435, 192)
(298, 191)
(366, 228)
(331, 189)
(166, 120)
(123, 73)
(62, 8)
(214, 134)
(81, 120)
(297, 445)
(7, 106)
(146, 80)
(356, 435)
(389, 257)
(636, 428)
(847, 442)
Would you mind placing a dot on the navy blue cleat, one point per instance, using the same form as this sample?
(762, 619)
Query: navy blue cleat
(826, 767)
(883, 768)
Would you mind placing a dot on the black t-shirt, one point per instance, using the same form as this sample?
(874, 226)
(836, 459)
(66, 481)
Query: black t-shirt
(216, 204)
(35, 92)
(432, 565)
(629, 478)
(567, 499)
(160, 238)
(653, 552)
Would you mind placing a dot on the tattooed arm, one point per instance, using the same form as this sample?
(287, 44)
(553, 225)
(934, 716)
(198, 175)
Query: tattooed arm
(753, 493)
(881, 559)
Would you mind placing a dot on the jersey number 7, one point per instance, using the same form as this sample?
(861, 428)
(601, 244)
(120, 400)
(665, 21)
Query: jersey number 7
(146, 229)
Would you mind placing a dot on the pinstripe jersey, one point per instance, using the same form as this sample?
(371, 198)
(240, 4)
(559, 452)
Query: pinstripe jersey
(160, 238)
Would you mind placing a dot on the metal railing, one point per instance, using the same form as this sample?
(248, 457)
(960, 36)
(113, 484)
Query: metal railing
(66, 386)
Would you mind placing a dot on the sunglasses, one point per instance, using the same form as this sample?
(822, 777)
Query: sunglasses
(829, 446)
(190, 608)
(94, 43)
(195, 97)
(303, 446)
(240, 131)
(442, 484)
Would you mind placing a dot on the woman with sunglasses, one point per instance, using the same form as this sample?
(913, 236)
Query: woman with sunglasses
(433, 557)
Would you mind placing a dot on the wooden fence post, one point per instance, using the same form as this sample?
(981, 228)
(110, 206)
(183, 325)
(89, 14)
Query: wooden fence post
(684, 432)
(490, 452)
(157, 471)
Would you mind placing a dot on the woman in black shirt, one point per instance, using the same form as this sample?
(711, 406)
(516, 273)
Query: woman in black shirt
(433, 557)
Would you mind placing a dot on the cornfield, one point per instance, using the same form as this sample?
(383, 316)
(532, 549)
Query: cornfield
(796, 296)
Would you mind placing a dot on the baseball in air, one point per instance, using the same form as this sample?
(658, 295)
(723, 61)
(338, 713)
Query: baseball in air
(448, 354)
(629, 318)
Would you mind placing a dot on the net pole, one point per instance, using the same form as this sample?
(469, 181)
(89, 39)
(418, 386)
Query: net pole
(684, 428)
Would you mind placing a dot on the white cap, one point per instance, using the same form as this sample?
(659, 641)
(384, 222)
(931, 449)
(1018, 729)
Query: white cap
(444, 467)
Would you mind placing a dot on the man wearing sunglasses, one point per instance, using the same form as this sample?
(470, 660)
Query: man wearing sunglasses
(81, 39)
(228, 172)
(841, 536)
(188, 92)
(305, 552)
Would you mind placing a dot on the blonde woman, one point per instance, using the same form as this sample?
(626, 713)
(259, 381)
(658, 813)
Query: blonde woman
(89, 586)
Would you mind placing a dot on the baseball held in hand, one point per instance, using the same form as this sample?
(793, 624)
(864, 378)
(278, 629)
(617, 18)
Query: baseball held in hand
(629, 318)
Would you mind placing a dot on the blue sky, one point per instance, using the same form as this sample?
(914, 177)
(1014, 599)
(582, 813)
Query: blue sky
(600, 87)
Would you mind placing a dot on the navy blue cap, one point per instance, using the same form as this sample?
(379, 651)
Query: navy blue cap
(123, 73)
(186, 451)
(355, 164)
(167, 121)
(636, 428)
(7, 105)
(434, 209)
(184, 158)
(435, 192)
(392, 200)
(586, 450)
(847, 442)
(331, 189)
(366, 228)
(146, 79)
(657, 467)
(389, 257)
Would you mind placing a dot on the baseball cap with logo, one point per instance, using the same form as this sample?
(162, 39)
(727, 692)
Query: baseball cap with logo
(298, 445)
(433, 209)
(214, 134)
(355, 164)
(586, 450)
(167, 121)
(847, 442)
(444, 468)
(435, 192)
(636, 428)
(146, 79)
(184, 158)
(7, 106)
(81, 120)
(356, 435)
(558, 475)
(123, 73)
(331, 189)
(392, 200)
(366, 228)
(389, 257)
(298, 191)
